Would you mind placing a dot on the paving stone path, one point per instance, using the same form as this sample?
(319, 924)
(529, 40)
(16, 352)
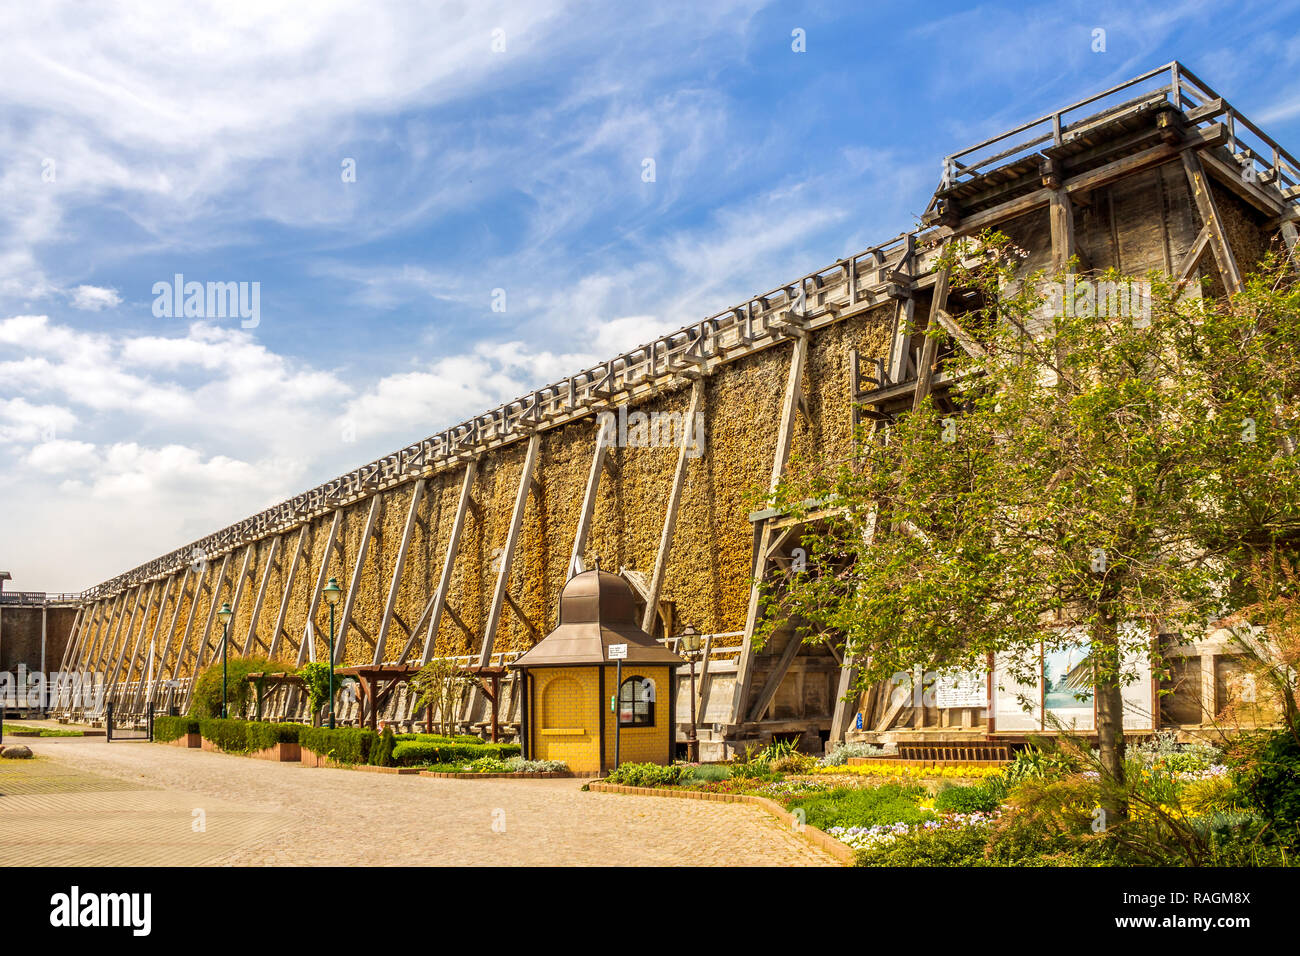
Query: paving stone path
(86, 802)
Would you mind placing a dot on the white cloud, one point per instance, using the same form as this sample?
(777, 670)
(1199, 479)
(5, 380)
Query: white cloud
(93, 298)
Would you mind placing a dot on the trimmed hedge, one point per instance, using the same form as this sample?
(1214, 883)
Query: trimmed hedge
(173, 728)
(343, 744)
(418, 753)
(227, 734)
(468, 739)
(262, 735)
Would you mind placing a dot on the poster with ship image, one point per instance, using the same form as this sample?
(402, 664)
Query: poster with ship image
(1062, 698)
(1068, 687)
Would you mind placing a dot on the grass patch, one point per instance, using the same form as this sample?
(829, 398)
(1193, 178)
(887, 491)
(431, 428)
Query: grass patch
(864, 806)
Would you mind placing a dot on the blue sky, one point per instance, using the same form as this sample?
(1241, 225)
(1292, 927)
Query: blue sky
(209, 139)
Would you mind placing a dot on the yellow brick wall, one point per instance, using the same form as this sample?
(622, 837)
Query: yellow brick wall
(566, 698)
(639, 744)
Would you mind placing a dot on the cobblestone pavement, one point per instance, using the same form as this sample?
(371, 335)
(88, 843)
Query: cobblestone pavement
(88, 802)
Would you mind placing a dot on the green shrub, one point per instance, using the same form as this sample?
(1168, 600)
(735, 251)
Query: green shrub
(706, 773)
(1267, 769)
(173, 728)
(207, 687)
(863, 806)
(228, 735)
(963, 846)
(646, 775)
(418, 753)
(348, 745)
(1041, 762)
(983, 797)
(261, 735)
(381, 754)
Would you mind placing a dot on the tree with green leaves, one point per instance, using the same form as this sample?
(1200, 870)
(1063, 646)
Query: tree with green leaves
(1107, 474)
(439, 685)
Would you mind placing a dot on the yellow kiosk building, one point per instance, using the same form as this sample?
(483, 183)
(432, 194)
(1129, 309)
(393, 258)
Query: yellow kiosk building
(597, 657)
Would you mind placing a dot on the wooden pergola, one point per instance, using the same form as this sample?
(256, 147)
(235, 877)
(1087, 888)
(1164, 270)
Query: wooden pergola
(271, 682)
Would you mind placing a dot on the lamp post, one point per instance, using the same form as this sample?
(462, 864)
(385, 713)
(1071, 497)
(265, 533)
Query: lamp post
(225, 614)
(332, 593)
(690, 642)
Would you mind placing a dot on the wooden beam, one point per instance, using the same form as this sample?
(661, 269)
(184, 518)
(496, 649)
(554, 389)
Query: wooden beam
(201, 650)
(350, 600)
(1193, 256)
(523, 618)
(604, 438)
(201, 647)
(390, 606)
(1061, 217)
(237, 597)
(171, 628)
(670, 515)
(967, 342)
(1290, 238)
(74, 636)
(261, 595)
(1209, 211)
(115, 629)
(134, 644)
(278, 633)
(774, 679)
(449, 562)
(925, 370)
(780, 455)
(307, 646)
(182, 650)
(142, 692)
(76, 650)
(459, 621)
(508, 552)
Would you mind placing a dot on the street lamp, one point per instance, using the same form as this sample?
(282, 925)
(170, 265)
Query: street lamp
(225, 614)
(332, 593)
(690, 643)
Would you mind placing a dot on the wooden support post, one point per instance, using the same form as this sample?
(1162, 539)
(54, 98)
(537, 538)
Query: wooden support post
(780, 455)
(141, 692)
(508, 552)
(182, 651)
(1209, 211)
(278, 633)
(390, 606)
(1061, 217)
(670, 516)
(306, 647)
(171, 628)
(256, 613)
(104, 651)
(449, 562)
(605, 437)
(74, 636)
(86, 665)
(201, 651)
(349, 602)
(776, 677)
(925, 372)
(237, 597)
(848, 668)
(1290, 238)
(1209, 687)
(133, 643)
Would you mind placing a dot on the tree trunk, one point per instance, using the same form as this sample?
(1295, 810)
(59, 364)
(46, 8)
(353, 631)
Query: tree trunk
(1110, 713)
